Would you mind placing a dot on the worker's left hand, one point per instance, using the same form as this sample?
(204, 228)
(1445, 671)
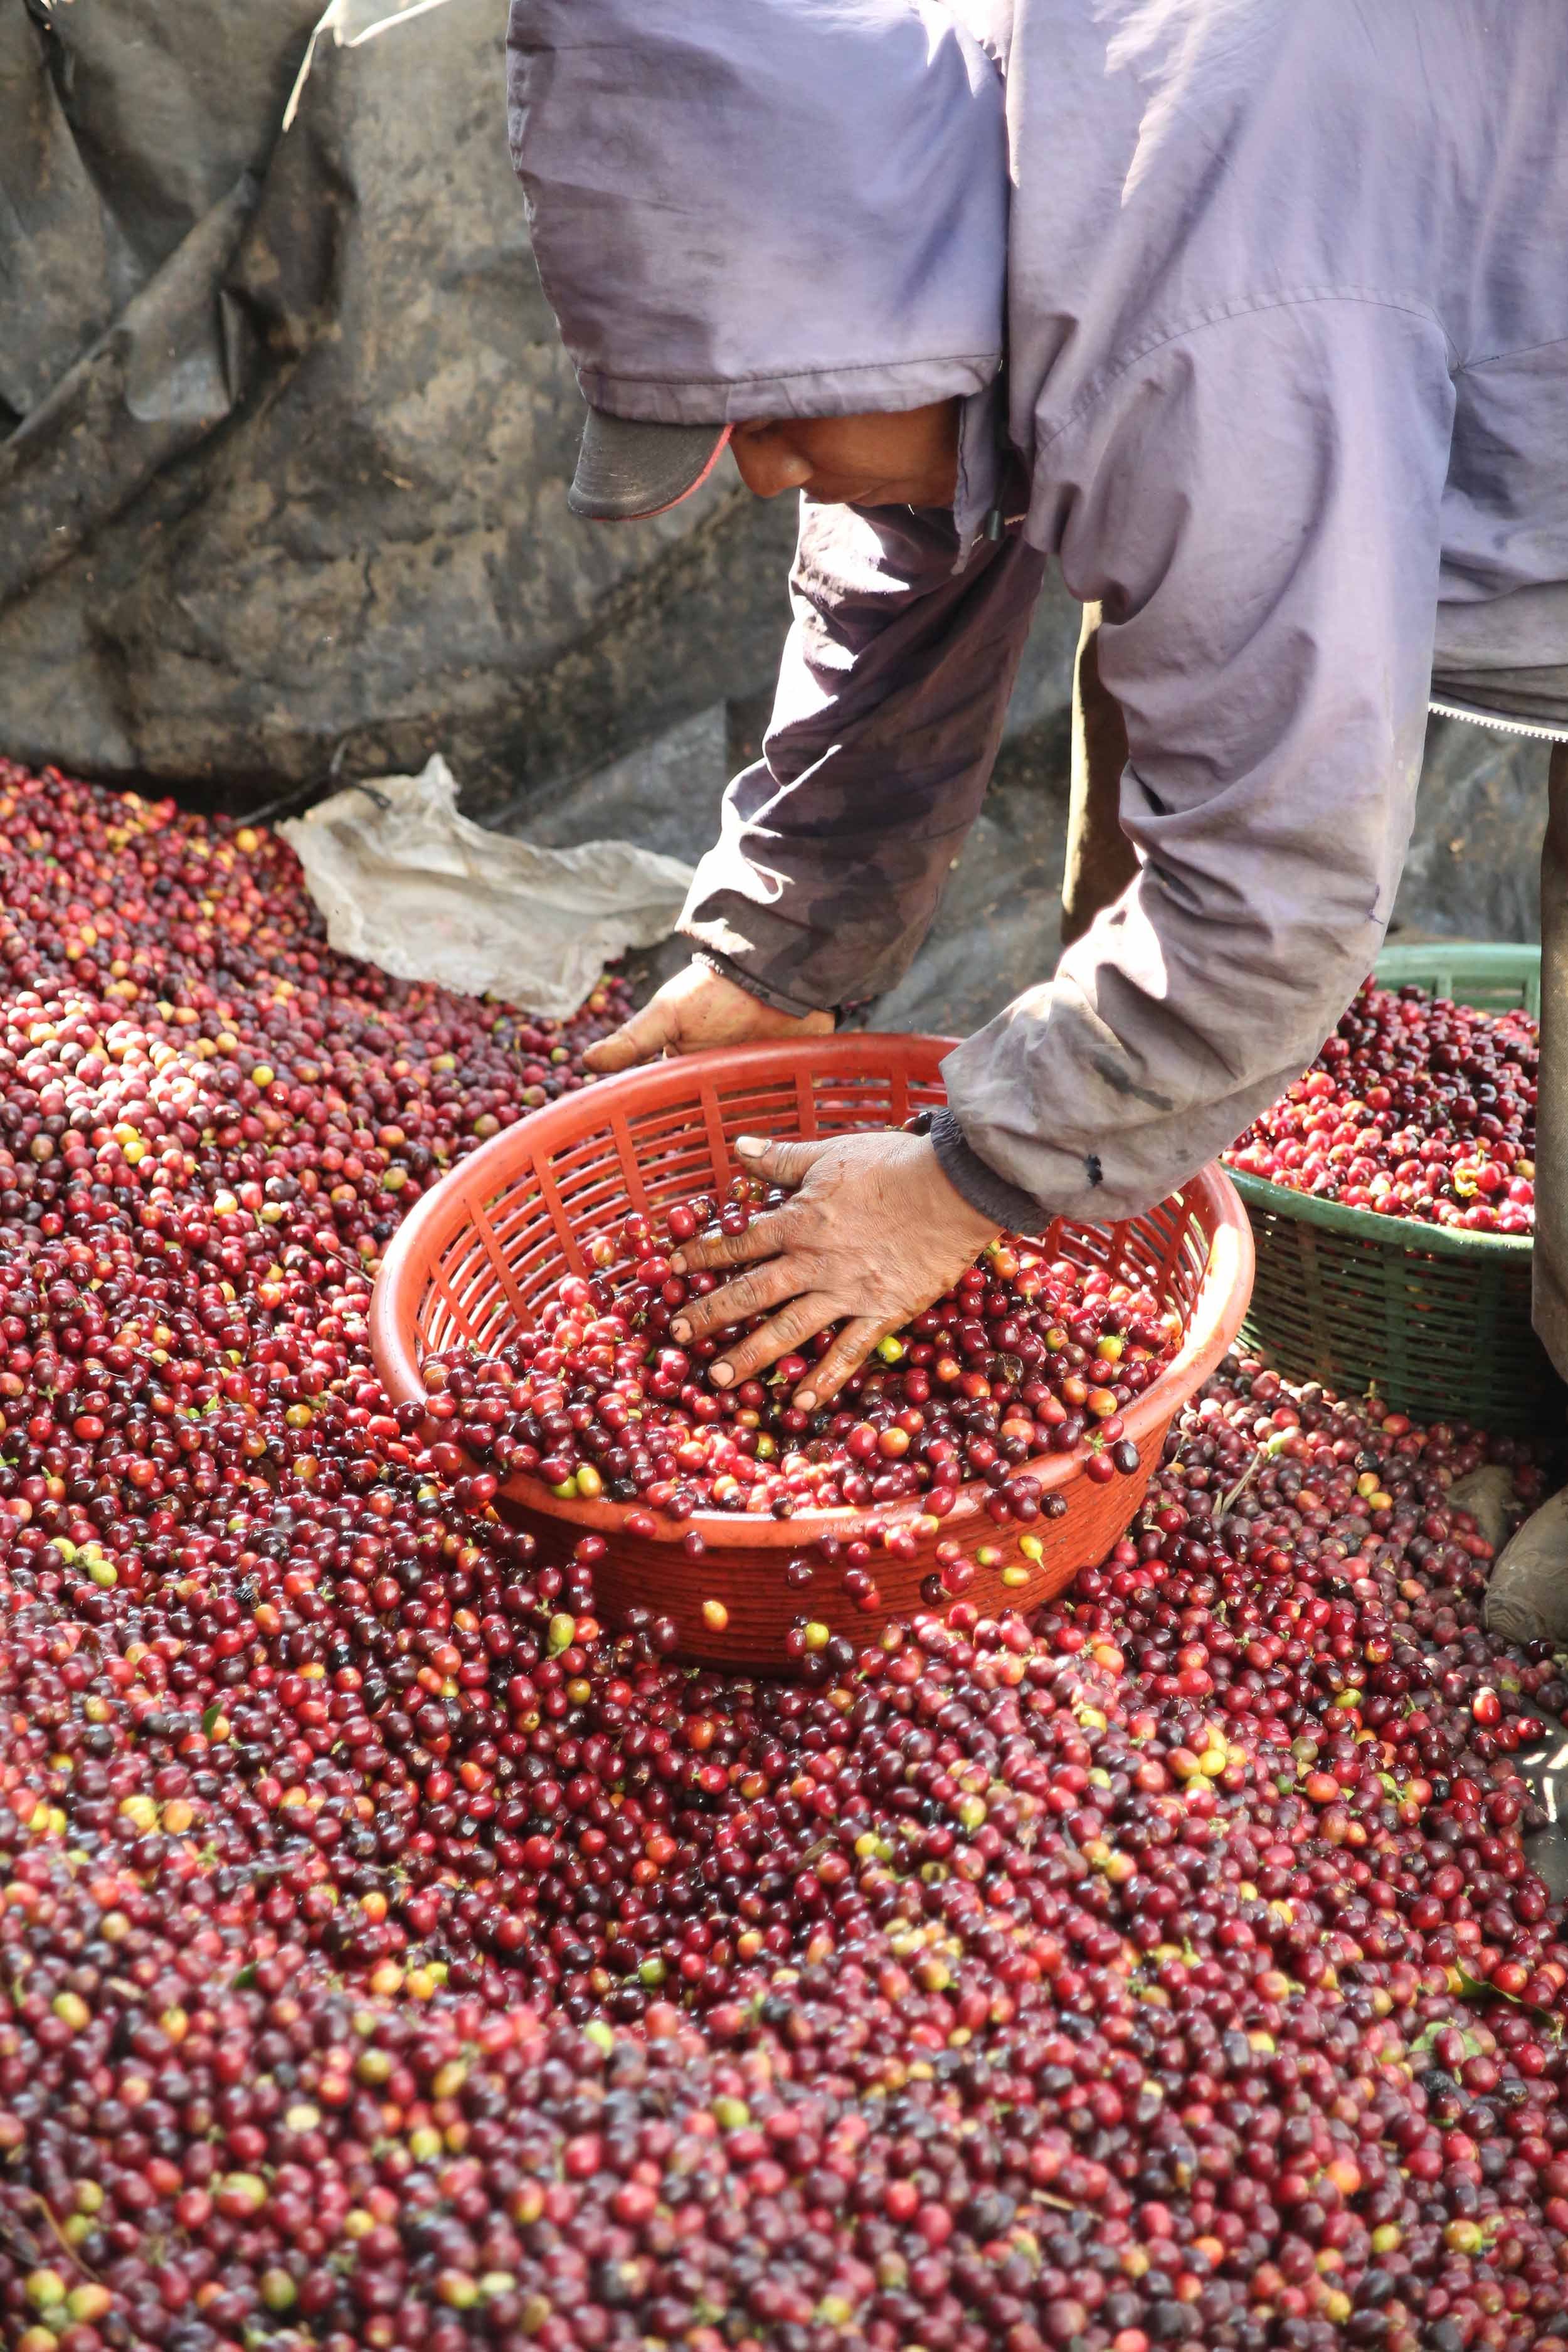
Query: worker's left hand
(875, 1232)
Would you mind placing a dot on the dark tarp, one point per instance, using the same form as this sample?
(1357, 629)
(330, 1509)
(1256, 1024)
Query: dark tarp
(287, 424)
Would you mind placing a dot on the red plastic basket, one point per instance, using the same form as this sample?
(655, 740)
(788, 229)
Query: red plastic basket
(486, 1243)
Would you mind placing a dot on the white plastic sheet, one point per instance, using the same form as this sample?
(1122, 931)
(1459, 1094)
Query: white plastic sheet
(407, 883)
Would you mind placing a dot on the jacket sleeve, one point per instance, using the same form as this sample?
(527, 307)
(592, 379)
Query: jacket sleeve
(1256, 505)
(835, 846)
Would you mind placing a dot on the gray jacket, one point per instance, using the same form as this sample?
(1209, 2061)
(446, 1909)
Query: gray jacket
(1286, 390)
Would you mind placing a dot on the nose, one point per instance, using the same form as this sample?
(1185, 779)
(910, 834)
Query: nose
(766, 462)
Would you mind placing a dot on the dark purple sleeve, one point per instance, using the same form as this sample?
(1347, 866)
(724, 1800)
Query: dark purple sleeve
(835, 846)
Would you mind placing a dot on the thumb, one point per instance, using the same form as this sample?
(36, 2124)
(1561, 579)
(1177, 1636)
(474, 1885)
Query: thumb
(647, 1033)
(785, 1163)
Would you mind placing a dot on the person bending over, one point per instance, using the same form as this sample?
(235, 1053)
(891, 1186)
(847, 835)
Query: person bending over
(1251, 318)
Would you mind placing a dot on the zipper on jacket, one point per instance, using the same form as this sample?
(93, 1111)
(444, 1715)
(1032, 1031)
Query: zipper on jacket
(1538, 731)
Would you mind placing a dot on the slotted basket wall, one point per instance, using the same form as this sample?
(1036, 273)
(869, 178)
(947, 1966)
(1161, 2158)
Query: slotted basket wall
(1437, 1321)
(482, 1248)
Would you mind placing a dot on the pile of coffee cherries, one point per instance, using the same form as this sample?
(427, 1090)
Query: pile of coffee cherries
(1416, 1107)
(1025, 1357)
(395, 1956)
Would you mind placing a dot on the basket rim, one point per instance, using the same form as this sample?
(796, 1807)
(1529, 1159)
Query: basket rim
(1220, 1305)
(1410, 1235)
(1499, 956)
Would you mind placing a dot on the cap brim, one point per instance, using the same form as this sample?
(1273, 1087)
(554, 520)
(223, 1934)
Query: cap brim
(627, 470)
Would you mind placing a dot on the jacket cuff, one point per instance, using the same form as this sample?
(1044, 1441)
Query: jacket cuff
(980, 1186)
(727, 969)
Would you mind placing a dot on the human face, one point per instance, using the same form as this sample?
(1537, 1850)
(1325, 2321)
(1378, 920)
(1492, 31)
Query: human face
(906, 459)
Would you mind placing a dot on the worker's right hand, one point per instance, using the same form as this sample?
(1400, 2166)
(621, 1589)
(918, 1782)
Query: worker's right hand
(695, 1011)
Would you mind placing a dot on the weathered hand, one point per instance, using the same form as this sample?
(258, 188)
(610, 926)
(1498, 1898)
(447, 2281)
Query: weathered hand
(696, 1010)
(874, 1234)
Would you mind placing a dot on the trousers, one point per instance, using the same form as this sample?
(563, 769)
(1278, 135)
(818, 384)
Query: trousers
(1100, 863)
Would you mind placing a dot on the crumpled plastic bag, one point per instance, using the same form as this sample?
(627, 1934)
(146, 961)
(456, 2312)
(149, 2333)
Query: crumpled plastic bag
(407, 883)
(349, 24)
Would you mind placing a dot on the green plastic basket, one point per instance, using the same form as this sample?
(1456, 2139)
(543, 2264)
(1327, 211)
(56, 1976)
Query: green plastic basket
(1436, 1322)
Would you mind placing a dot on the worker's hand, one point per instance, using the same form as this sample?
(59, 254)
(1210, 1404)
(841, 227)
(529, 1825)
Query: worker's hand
(874, 1234)
(697, 1009)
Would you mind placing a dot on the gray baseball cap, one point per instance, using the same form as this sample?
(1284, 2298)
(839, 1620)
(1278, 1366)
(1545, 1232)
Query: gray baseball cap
(627, 469)
(758, 211)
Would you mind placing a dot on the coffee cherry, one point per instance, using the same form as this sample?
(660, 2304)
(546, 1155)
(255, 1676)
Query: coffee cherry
(393, 1957)
(1416, 1107)
(596, 1401)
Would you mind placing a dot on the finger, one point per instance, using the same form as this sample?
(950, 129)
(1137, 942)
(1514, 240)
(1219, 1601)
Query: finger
(801, 1320)
(637, 1040)
(749, 1294)
(785, 1163)
(850, 1350)
(763, 1237)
